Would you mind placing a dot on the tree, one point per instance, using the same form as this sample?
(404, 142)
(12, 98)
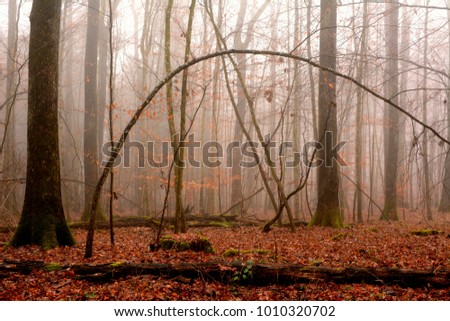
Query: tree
(43, 221)
(91, 149)
(359, 115)
(241, 43)
(426, 169)
(328, 211)
(444, 204)
(177, 139)
(391, 131)
(7, 144)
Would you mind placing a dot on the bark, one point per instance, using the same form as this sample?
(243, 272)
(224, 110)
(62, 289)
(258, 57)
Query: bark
(391, 130)
(404, 177)
(91, 149)
(444, 204)
(262, 274)
(426, 169)
(328, 211)
(43, 222)
(7, 147)
(359, 123)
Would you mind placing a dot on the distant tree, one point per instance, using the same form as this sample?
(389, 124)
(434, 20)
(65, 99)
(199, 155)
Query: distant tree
(7, 145)
(328, 211)
(43, 221)
(444, 203)
(91, 114)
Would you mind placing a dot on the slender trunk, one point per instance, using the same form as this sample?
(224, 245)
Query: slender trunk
(426, 169)
(359, 124)
(7, 147)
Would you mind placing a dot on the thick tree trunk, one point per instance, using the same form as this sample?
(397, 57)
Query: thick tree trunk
(43, 222)
(391, 130)
(328, 211)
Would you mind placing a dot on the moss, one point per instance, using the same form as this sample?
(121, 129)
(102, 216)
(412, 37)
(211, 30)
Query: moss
(230, 252)
(202, 244)
(373, 229)
(167, 243)
(261, 251)
(199, 244)
(116, 264)
(315, 262)
(338, 236)
(223, 224)
(183, 246)
(425, 232)
(52, 266)
(234, 252)
(331, 218)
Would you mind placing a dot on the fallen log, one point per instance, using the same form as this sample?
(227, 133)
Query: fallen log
(254, 274)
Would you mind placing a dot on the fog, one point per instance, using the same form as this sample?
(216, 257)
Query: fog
(227, 170)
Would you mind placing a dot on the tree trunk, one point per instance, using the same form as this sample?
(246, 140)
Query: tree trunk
(261, 274)
(444, 204)
(359, 123)
(43, 222)
(391, 131)
(328, 211)
(91, 150)
(426, 169)
(7, 147)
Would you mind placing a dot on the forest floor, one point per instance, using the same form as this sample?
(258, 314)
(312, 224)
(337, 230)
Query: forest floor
(375, 245)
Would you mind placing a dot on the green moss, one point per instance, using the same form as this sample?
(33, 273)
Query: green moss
(331, 218)
(425, 232)
(52, 266)
(200, 244)
(234, 252)
(183, 246)
(221, 224)
(167, 243)
(261, 251)
(338, 236)
(315, 262)
(230, 252)
(116, 264)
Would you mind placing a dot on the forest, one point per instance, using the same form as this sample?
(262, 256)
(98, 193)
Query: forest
(224, 150)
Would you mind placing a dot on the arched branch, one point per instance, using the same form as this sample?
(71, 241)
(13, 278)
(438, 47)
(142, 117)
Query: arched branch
(118, 146)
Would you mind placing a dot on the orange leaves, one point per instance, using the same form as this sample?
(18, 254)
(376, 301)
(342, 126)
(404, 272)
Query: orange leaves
(376, 245)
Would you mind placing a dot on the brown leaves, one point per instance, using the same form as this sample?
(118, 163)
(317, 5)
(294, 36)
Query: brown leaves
(380, 245)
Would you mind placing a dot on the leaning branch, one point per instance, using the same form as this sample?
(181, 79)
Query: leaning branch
(162, 83)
